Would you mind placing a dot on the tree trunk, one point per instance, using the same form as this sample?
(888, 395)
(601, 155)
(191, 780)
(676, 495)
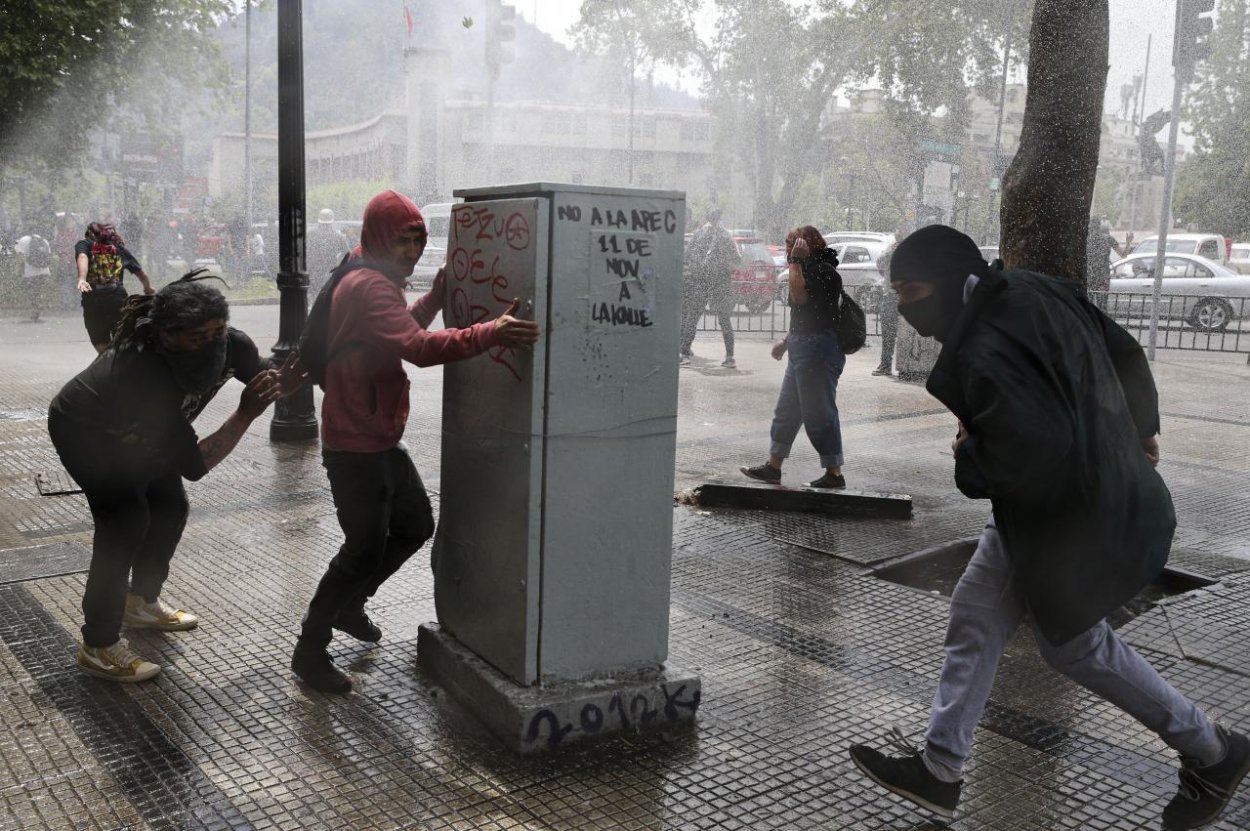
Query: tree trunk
(1048, 190)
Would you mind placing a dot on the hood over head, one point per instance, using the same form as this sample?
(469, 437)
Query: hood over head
(945, 258)
(387, 216)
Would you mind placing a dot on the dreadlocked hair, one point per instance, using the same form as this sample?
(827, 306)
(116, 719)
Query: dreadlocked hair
(105, 233)
(183, 304)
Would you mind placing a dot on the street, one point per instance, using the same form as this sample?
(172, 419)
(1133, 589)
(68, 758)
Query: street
(803, 650)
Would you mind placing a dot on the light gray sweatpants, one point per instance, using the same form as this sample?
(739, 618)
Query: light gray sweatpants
(986, 608)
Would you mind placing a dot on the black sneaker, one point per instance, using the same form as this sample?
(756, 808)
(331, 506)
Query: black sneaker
(908, 777)
(829, 481)
(763, 473)
(1204, 791)
(359, 625)
(882, 370)
(315, 669)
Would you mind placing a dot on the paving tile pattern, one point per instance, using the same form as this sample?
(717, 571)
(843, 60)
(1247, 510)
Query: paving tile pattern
(802, 651)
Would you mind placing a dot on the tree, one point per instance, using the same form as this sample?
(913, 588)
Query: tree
(772, 68)
(1213, 187)
(639, 34)
(1048, 190)
(66, 64)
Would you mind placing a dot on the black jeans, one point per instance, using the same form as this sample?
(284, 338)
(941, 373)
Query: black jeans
(385, 516)
(139, 518)
(888, 312)
(695, 299)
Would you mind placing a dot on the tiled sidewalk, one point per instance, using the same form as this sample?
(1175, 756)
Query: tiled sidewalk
(801, 649)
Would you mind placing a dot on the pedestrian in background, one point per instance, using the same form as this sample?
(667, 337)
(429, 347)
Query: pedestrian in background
(380, 501)
(36, 256)
(102, 258)
(326, 249)
(122, 428)
(709, 262)
(1058, 417)
(887, 308)
(809, 389)
(1098, 248)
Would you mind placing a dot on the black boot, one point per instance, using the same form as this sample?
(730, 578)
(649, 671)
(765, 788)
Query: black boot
(1204, 791)
(357, 623)
(314, 667)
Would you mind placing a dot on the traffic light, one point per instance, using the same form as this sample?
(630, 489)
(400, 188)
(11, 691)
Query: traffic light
(1193, 35)
(500, 32)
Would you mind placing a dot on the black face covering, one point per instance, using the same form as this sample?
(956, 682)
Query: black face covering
(196, 372)
(928, 317)
(945, 258)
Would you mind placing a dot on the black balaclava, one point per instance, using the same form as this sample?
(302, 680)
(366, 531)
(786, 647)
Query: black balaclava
(940, 255)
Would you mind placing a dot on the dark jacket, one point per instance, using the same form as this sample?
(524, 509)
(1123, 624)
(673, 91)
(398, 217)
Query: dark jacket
(1057, 399)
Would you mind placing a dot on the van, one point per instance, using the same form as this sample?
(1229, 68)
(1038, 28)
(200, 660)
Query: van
(438, 227)
(1212, 246)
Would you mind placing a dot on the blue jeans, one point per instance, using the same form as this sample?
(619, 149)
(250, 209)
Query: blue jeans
(986, 608)
(809, 397)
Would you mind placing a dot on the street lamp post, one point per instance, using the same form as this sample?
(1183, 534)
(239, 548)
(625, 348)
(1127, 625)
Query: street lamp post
(294, 418)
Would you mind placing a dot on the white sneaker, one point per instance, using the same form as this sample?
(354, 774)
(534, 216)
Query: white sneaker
(116, 663)
(156, 615)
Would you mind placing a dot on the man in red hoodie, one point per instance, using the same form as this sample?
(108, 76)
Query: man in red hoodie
(381, 504)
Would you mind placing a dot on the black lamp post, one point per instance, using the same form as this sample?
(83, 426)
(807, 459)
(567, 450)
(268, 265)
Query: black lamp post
(294, 418)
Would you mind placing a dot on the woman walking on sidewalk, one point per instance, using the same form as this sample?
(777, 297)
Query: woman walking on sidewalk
(809, 390)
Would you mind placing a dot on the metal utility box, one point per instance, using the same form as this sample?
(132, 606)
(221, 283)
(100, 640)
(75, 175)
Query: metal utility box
(553, 553)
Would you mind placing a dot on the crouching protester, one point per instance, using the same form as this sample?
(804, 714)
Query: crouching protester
(122, 428)
(381, 503)
(1058, 418)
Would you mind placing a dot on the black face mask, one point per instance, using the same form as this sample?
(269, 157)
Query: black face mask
(196, 372)
(929, 317)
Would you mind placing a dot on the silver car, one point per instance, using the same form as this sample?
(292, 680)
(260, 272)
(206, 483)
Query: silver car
(857, 263)
(1196, 291)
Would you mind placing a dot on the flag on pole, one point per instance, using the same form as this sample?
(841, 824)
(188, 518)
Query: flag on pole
(408, 19)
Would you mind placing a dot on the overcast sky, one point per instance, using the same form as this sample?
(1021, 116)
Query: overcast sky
(1132, 21)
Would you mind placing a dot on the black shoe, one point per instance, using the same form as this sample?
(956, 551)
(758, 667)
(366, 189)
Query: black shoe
(359, 625)
(908, 777)
(1204, 791)
(883, 370)
(315, 669)
(763, 473)
(829, 480)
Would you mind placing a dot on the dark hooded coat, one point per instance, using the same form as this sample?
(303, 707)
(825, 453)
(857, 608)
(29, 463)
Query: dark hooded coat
(1057, 399)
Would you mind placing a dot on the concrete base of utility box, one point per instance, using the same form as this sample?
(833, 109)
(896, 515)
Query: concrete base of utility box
(760, 496)
(539, 719)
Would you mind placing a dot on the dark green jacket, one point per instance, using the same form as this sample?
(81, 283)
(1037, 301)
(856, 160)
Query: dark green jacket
(1057, 399)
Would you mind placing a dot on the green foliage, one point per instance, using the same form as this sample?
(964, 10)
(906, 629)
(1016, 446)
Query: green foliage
(1213, 185)
(346, 199)
(772, 67)
(70, 65)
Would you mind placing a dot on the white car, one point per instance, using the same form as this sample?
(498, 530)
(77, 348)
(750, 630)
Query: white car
(1239, 260)
(857, 263)
(1210, 246)
(1196, 291)
(438, 226)
(835, 237)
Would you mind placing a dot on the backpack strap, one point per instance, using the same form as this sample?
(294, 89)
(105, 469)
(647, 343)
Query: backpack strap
(346, 266)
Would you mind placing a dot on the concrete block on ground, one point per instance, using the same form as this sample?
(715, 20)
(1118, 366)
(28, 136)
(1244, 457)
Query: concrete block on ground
(533, 719)
(760, 496)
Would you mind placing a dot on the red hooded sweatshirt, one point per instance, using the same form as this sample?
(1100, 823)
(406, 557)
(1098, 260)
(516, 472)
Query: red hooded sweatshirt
(373, 330)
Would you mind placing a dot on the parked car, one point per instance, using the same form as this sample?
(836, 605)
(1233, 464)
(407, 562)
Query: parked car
(833, 237)
(1211, 246)
(754, 280)
(1202, 293)
(857, 263)
(990, 253)
(438, 226)
(1239, 257)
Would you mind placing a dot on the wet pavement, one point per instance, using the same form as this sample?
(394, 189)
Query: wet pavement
(802, 649)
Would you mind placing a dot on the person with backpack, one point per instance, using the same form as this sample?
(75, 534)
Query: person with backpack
(360, 331)
(709, 262)
(36, 256)
(809, 390)
(122, 429)
(1058, 422)
(102, 257)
